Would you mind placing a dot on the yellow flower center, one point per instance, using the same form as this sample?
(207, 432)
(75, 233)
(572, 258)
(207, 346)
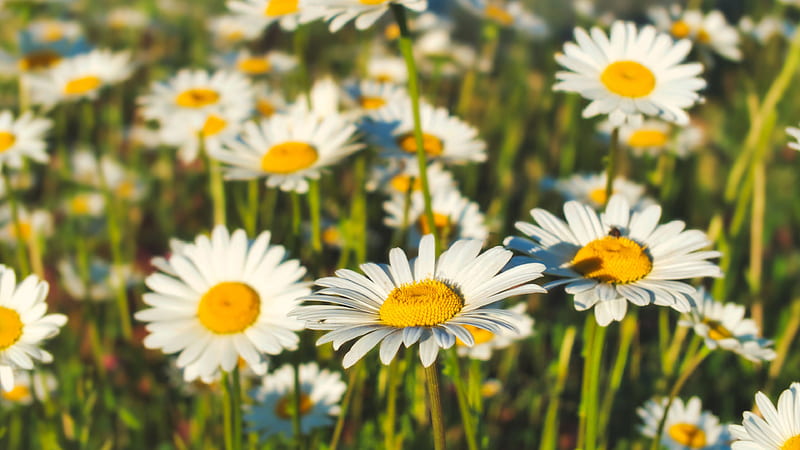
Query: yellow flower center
(18, 394)
(793, 443)
(285, 406)
(41, 59)
(480, 335)
(214, 124)
(25, 230)
(6, 140)
(82, 85)
(281, 7)
(402, 183)
(229, 307)
(611, 259)
(703, 37)
(646, 138)
(234, 36)
(265, 107)
(10, 327)
(680, 29)
(80, 205)
(716, 330)
(197, 98)
(432, 145)
(289, 157)
(383, 77)
(52, 32)
(628, 79)
(125, 189)
(392, 32)
(599, 196)
(254, 66)
(371, 2)
(420, 304)
(687, 435)
(331, 235)
(499, 14)
(372, 102)
(440, 221)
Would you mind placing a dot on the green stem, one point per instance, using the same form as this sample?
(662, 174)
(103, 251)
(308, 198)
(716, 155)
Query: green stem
(314, 210)
(467, 415)
(296, 413)
(353, 380)
(216, 186)
(595, 362)
(236, 407)
(550, 434)
(227, 413)
(628, 330)
(611, 163)
(435, 405)
(296, 214)
(391, 404)
(22, 254)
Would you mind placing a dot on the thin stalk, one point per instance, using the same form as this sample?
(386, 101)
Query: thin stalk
(467, 415)
(757, 239)
(784, 344)
(628, 330)
(296, 214)
(236, 407)
(296, 412)
(314, 210)
(435, 405)
(589, 329)
(391, 404)
(250, 219)
(22, 254)
(216, 186)
(592, 410)
(227, 413)
(352, 381)
(611, 163)
(550, 433)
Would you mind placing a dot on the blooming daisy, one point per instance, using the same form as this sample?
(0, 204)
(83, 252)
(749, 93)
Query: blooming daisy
(253, 65)
(687, 425)
(777, 429)
(288, 149)
(397, 176)
(364, 12)
(23, 137)
(486, 341)
(35, 223)
(124, 17)
(722, 325)
(320, 393)
(654, 137)
(85, 204)
(591, 189)
(630, 74)
(47, 31)
(223, 298)
(710, 30)
(795, 133)
(371, 96)
(611, 258)
(438, 53)
(124, 184)
(445, 138)
(511, 14)
(387, 69)
(289, 13)
(426, 300)
(233, 29)
(24, 324)
(26, 383)
(269, 101)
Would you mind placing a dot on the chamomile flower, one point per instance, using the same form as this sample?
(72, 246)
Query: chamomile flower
(288, 149)
(85, 204)
(266, 12)
(387, 69)
(776, 429)
(254, 64)
(320, 393)
(80, 77)
(210, 133)
(591, 189)
(512, 14)
(795, 133)
(25, 325)
(426, 300)
(232, 29)
(269, 101)
(371, 96)
(396, 176)
(126, 18)
(630, 74)
(486, 341)
(722, 325)
(654, 137)
(26, 383)
(438, 53)
(47, 31)
(607, 260)
(22, 138)
(38, 222)
(124, 184)
(445, 138)
(224, 298)
(710, 30)
(363, 12)
(687, 426)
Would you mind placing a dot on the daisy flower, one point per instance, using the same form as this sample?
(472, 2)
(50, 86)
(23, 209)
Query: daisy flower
(223, 298)
(289, 13)
(607, 260)
(85, 204)
(80, 77)
(124, 184)
(254, 65)
(630, 74)
(445, 138)
(687, 425)
(426, 300)
(396, 176)
(363, 12)
(654, 137)
(486, 341)
(24, 324)
(776, 429)
(439, 54)
(711, 30)
(43, 383)
(795, 133)
(387, 69)
(233, 29)
(320, 393)
(591, 189)
(288, 149)
(47, 31)
(123, 17)
(722, 325)
(511, 14)
(371, 96)
(34, 223)
(22, 138)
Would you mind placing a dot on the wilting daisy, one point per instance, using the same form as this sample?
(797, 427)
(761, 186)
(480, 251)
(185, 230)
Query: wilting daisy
(631, 74)
(371, 96)
(591, 189)
(288, 149)
(426, 300)
(710, 30)
(397, 176)
(290, 13)
(486, 341)
(777, 429)
(364, 12)
(224, 298)
(608, 259)
(722, 325)
(26, 383)
(80, 77)
(687, 425)
(795, 133)
(320, 393)
(24, 324)
(22, 138)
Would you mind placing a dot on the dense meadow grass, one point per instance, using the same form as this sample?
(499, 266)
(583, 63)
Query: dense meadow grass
(125, 165)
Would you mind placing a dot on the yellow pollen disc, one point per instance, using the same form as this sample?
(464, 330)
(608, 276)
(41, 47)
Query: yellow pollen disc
(431, 144)
(82, 85)
(716, 330)
(125, 189)
(480, 335)
(372, 102)
(440, 221)
(646, 138)
(402, 183)
(490, 388)
(18, 394)
(289, 157)
(793, 443)
(52, 33)
(265, 108)
(41, 59)
(703, 36)
(680, 29)
(281, 7)
(80, 205)
(384, 78)
(420, 304)
(233, 36)
(628, 79)
(497, 13)
(214, 124)
(197, 98)
(229, 307)
(10, 327)
(285, 406)
(254, 66)
(687, 435)
(331, 236)
(599, 196)
(611, 259)
(392, 32)
(6, 140)
(372, 2)
(25, 230)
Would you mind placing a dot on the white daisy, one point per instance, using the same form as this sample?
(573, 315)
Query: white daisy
(722, 325)
(512, 14)
(654, 137)
(259, 64)
(687, 426)
(776, 429)
(269, 101)
(395, 177)
(591, 189)
(124, 184)
(320, 393)
(632, 73)
(438, 53)
(486, 341)
(101, 279)
(425, 300)
(364, 12)
(387, 69)
(795, 133)
(222, 299)
(618, 256)
(43, 383)
(288, 149)
(211, 132)
(233, 29)
(371, 96)
(85, 204)
(289, 13)
(47, 31)
(709, 30)
(125, 17)
(22, 138)
(24, 324)
(38, 222)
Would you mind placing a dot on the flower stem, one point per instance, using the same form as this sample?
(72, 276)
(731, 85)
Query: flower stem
(592, 353)
(296, 412)
(550, 433)
(435, 405)
(314, 210)
(22, 254)
(394, 375)
(227, 413)
(463, 402)
(215, 184)
(353, 380)
(611, 163)
(236, 407)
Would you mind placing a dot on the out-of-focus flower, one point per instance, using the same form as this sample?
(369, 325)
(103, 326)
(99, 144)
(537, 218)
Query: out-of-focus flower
(686, 426)
(709, 30)
(22, 138)
(775, 429)
(591, 189)
(363, 12)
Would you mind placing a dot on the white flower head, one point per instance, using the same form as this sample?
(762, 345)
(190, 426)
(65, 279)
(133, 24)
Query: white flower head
(775, 429)
(687, 426)
(363, 12)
